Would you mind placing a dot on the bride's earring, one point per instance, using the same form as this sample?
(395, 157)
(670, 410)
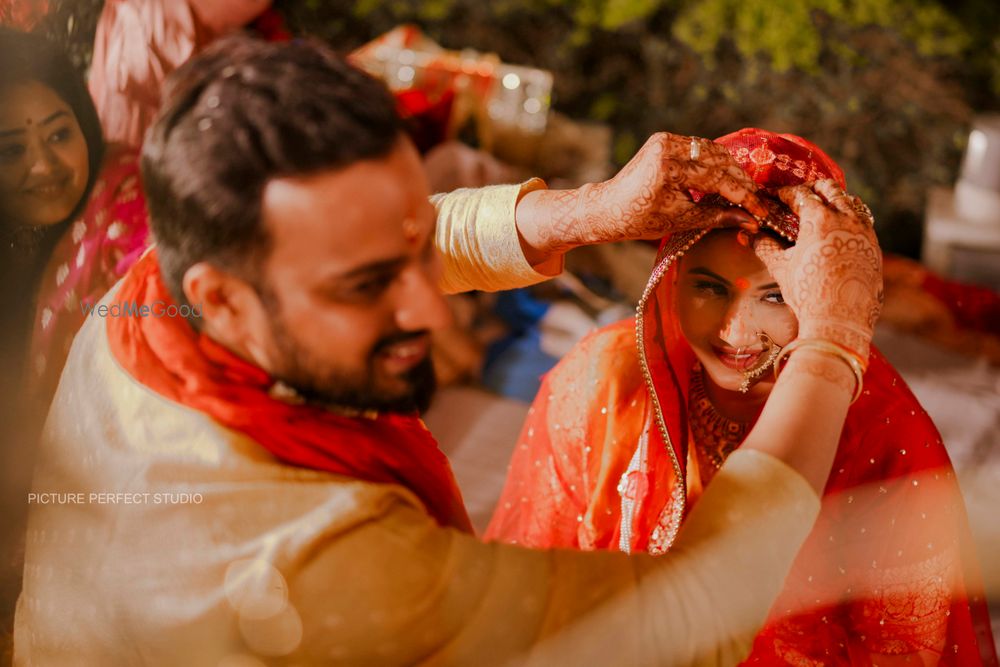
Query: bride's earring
(773, 351)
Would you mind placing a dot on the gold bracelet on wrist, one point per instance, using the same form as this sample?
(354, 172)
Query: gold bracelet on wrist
(848, 356)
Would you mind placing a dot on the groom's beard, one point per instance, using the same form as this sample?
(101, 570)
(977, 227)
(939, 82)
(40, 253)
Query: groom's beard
(319, 382)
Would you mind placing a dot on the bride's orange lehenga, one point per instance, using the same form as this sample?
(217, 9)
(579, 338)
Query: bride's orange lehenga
(621, 439)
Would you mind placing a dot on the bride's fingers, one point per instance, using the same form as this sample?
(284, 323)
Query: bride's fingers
(834, 195)
(691, 216)
(733, 185)
(845, 202)
(736, 217)
(804, 203)
(773, 255)
(696, 216)
(694, 163)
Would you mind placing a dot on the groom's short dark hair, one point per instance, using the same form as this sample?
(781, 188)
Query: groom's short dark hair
(241, 113)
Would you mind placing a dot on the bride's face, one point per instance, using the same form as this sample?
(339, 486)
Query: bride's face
(725, 298)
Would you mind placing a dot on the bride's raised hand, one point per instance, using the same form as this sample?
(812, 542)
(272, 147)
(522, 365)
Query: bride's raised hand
(649, 198)
(832, 276)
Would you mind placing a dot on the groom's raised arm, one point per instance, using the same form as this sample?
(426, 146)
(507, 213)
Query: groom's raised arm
(507, 236)
(391, 587)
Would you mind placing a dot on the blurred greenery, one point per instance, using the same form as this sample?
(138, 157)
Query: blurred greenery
(887, 87)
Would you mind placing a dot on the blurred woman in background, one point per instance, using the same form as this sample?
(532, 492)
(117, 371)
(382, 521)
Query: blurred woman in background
(72, 220)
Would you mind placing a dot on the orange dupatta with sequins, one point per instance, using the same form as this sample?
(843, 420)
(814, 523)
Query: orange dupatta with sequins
(602, 464)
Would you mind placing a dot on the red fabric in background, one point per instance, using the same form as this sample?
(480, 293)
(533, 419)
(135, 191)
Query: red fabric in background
(973, 307)
(426, 120)
(271, 26)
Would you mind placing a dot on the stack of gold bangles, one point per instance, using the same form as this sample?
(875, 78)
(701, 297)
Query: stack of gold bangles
(857, 365)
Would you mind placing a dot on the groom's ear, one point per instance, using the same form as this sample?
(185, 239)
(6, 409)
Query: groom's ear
(227, 306)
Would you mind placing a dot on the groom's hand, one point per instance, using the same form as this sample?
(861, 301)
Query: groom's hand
(649, 198)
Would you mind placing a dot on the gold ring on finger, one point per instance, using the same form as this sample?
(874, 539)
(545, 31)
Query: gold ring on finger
(864, 212)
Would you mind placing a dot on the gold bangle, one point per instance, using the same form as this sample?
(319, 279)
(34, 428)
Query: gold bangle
(848, 356)
(848, 351)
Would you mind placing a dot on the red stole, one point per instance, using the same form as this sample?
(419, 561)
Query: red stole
(169, 357)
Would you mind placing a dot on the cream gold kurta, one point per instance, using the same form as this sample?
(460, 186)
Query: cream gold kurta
(204, 549)
(477, 235)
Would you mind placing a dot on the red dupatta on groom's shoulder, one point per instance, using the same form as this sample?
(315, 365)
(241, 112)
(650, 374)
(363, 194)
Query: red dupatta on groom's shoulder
(602, 463)
(169, 357)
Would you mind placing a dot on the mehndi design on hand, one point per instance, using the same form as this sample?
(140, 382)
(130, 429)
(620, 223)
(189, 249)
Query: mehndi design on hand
(832, 276)
(651, 196)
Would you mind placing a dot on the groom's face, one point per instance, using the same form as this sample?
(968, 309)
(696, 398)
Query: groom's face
(349, 287)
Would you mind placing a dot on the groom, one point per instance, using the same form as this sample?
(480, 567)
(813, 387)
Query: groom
(298, 509)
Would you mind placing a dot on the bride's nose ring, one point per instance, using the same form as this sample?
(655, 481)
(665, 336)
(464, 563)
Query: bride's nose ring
(772, 351)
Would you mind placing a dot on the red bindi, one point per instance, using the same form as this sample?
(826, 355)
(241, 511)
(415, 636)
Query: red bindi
(742, 283)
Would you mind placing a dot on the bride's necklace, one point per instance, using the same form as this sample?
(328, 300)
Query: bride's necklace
(715, 437)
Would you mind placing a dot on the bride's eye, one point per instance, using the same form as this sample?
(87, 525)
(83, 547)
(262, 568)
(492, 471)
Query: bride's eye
(710, 288)
(774, 297)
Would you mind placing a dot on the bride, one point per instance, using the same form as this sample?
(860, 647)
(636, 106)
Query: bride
(629, 428)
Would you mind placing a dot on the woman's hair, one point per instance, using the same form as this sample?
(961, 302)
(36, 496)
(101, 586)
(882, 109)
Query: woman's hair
(25, 57)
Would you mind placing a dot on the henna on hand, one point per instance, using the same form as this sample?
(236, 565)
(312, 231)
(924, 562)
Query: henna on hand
(822, 366)
(832, 276)
(649, 198)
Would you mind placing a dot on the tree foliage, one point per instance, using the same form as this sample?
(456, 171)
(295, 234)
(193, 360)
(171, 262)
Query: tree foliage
(887, 87)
